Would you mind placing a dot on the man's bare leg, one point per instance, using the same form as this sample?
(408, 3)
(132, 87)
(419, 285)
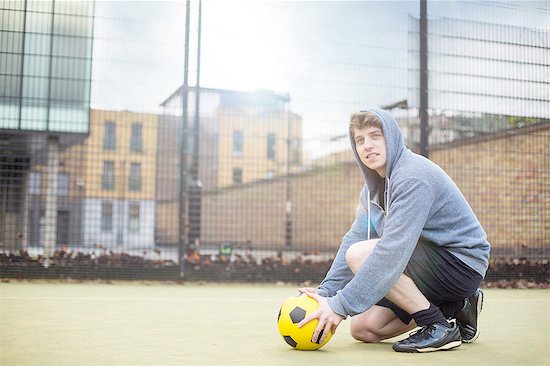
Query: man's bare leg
(405, 294)
(378, 323)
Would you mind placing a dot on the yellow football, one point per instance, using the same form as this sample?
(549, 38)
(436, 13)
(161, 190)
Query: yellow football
(294, 310)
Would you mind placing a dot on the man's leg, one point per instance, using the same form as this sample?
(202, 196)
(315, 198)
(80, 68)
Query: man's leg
(404, 293)
(436, 333)
(378, 323)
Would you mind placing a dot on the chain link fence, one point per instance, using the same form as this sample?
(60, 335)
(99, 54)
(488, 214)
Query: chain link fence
(208, 140)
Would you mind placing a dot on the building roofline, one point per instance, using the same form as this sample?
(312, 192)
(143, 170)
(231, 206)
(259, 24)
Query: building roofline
(284, 97)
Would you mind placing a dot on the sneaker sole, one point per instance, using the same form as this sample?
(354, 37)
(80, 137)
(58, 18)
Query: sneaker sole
(442, 348)
(479, 307)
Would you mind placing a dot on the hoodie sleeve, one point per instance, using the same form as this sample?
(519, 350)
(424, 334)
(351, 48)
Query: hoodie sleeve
(339, 273)
(411, 201)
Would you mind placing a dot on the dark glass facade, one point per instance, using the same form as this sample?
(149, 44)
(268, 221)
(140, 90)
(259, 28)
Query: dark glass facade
(45, 65)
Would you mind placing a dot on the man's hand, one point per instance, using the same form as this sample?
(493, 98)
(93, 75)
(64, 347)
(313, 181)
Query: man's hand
(328, 319)
(303, 290)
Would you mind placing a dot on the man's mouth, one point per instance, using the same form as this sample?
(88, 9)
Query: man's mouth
(371, 156)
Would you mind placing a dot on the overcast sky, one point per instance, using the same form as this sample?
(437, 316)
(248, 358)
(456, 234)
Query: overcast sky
(330, 57)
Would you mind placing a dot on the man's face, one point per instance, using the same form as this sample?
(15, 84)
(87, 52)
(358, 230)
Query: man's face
(371, 147)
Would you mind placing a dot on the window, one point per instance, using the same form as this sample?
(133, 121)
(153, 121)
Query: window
(109, 136)
(237, 143)
(295, 151)
(133, 217)
(237, 175)
(63, 226)
(136, 141)
(271, 140)
(134, 183)
(108, 178)
(62, 184)
(35, 183)
(106, 216)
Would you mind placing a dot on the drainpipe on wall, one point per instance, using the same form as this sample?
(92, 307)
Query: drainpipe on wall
(50, 216)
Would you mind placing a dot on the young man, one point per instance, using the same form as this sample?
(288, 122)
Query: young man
(415, 254)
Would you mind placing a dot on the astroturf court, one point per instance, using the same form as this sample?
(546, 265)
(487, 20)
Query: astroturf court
(48, 323)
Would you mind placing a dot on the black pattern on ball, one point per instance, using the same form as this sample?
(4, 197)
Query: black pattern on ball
(289, 340)
(297, 315)
(318, 341)
(279, 316)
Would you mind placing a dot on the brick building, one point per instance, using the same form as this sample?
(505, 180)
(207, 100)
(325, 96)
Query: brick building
(486, 168)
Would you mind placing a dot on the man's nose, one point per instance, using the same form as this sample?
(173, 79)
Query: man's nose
(368, 145)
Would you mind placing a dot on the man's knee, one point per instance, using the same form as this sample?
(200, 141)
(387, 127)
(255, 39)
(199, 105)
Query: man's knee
(364, 334)
(358, 252)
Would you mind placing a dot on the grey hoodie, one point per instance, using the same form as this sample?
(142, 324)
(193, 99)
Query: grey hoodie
(421, 201)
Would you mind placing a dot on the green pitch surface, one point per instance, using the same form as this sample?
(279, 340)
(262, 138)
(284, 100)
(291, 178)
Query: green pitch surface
(161, 324)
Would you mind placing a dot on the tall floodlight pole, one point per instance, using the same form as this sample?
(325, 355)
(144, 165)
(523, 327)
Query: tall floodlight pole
(424, 118)
(182, 240)
(195, 194)
(197, 91)
(288, 210)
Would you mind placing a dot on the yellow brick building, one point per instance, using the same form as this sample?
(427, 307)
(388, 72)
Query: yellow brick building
(253, 146)
(242, 137)
(119, 179)
(105, 186)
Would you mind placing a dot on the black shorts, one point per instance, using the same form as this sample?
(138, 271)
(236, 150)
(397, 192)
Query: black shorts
(444, 279)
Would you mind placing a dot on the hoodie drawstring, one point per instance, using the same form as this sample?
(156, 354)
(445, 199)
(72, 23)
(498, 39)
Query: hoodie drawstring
(386, 196)
(368, 215)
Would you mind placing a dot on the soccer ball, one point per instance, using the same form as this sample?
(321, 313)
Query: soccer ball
(293, 311)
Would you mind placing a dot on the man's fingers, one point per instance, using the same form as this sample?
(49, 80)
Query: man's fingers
(307, 319)
(325, 332)
(312, 294)
(306, 289)
(317, 334)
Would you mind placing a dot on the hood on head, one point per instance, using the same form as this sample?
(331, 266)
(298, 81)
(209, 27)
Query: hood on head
(395, 145)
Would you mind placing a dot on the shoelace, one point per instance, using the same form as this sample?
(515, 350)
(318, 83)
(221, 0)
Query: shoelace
(422, 333)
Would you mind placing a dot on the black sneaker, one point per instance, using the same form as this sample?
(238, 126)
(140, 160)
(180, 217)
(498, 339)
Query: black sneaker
(466, 318)
(430, 338)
